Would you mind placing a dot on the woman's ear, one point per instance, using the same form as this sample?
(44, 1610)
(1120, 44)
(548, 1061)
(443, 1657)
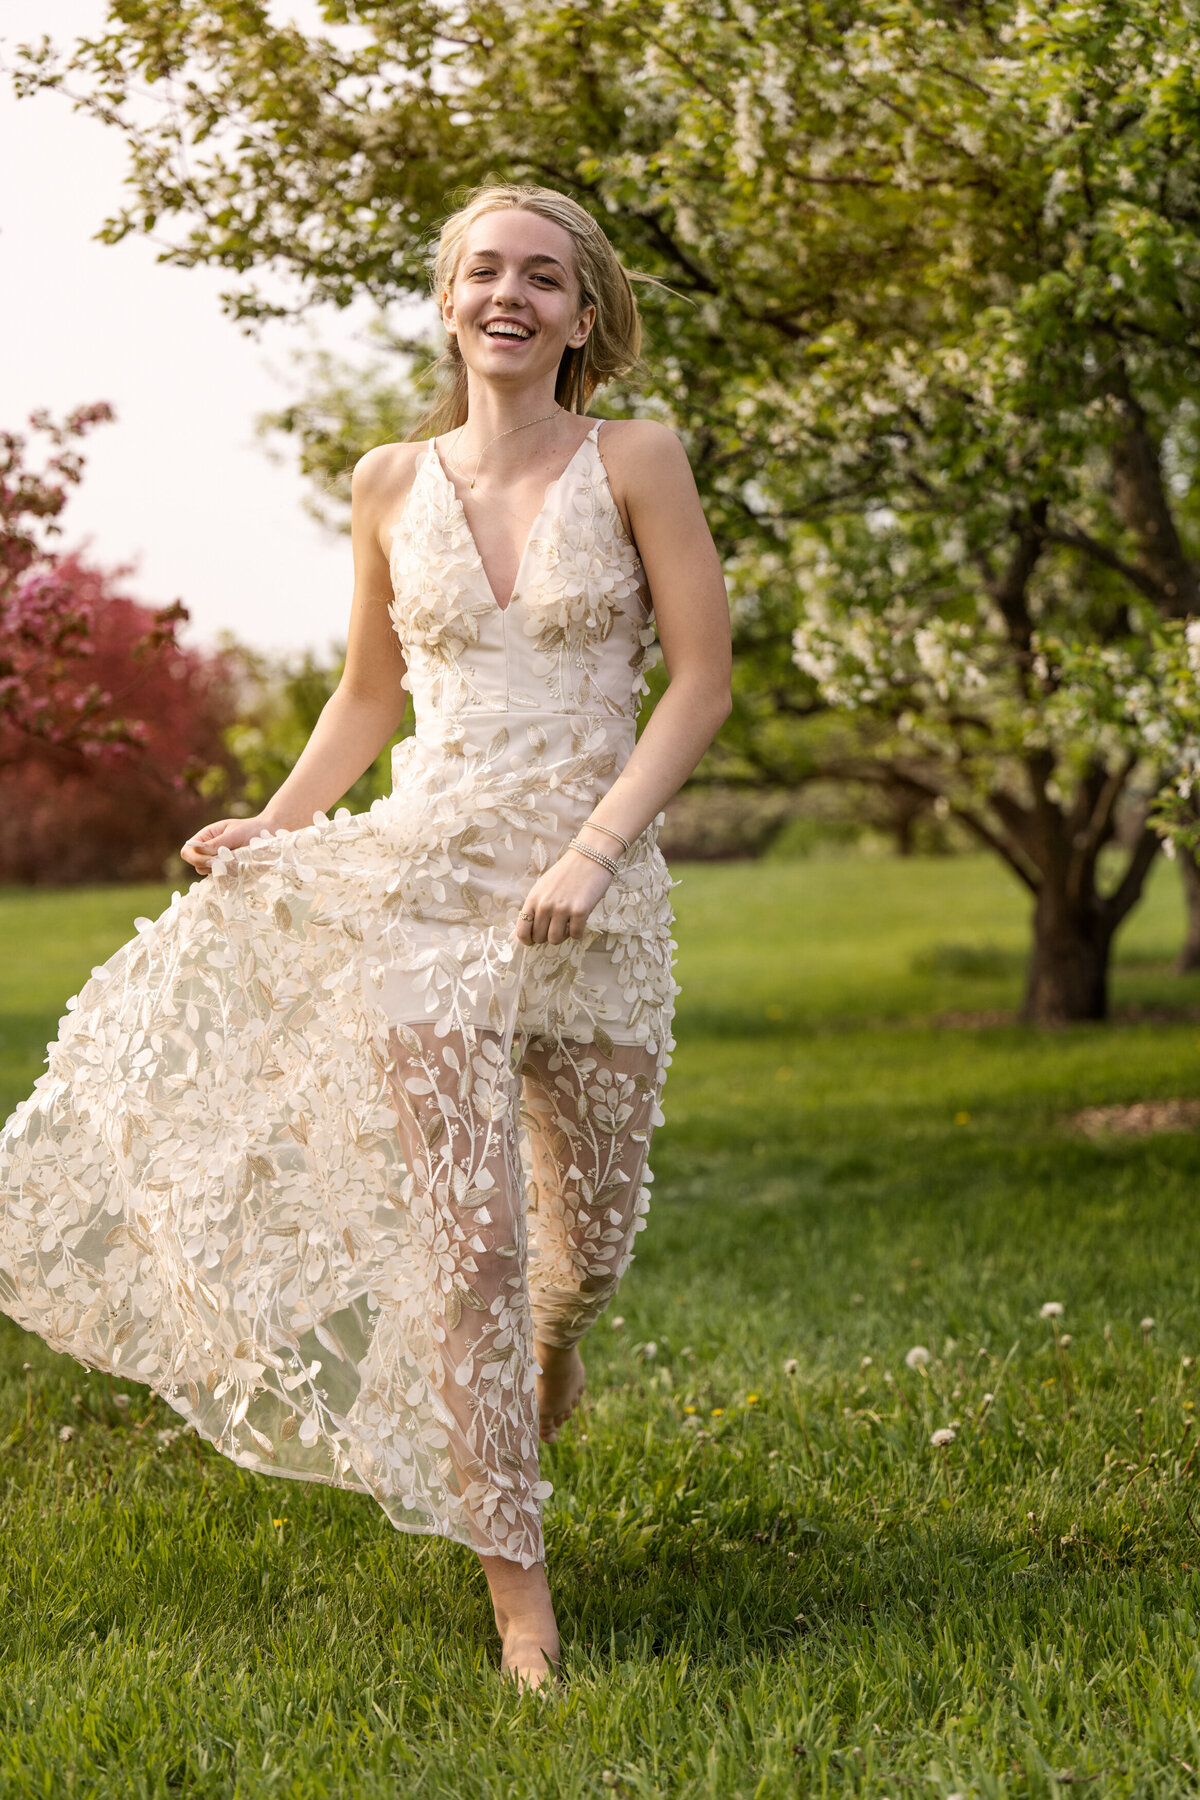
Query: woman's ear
(582, 331)
(448, 312)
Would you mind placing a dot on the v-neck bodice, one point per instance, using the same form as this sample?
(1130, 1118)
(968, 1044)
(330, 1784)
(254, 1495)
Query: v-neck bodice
(434, 455)
(576, 634)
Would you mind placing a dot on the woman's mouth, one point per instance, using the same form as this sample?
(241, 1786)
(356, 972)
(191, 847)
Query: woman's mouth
(507, 330)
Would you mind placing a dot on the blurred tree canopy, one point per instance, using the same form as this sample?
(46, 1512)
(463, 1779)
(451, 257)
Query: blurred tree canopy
(932, 343)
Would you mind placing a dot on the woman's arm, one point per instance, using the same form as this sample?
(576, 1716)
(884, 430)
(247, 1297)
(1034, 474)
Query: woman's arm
(368, 704)
(653, 485)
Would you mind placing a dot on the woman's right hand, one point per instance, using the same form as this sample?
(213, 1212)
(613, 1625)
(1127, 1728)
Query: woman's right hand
(225, 834)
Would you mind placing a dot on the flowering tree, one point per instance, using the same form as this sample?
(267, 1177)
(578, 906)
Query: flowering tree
(109, 730)
(932, 338)
(113, 800)
(48, 692)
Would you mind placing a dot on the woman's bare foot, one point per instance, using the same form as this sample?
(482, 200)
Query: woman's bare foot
(560, 1387)
(525, 1620)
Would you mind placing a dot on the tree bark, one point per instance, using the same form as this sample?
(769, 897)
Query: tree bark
(1189, 869)
(1073, 931)
(1067, 979)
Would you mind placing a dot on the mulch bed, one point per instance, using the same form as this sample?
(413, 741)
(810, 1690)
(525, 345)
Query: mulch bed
(1138, 1120)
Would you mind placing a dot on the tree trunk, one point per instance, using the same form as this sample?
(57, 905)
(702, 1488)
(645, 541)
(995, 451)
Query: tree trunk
(1068, 966)
(1189, 868)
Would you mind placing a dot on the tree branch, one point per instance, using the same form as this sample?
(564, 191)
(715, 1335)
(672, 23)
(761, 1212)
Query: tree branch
(1126, 894)
(1072, 538)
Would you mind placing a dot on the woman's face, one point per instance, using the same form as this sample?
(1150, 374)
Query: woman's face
(514, 304)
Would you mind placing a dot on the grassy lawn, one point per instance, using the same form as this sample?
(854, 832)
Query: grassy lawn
(770, 1582)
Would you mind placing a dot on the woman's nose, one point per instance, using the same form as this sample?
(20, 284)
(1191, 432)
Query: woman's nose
(507, 291)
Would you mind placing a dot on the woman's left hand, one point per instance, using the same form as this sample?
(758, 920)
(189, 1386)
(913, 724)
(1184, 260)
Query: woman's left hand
(561, 899)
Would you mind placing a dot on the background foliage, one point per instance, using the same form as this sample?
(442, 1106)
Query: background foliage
(931, 340)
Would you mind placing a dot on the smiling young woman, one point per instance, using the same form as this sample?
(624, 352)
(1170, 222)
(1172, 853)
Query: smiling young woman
(345, 1153)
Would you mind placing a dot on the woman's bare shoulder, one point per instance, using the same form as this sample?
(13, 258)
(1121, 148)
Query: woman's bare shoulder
(635, 450)
(384, 476)
(381, 472)
(639, 437)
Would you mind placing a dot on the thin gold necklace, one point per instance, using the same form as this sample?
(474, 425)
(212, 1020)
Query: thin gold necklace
(496, 439)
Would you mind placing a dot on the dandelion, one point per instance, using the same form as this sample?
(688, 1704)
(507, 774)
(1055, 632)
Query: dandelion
(718, 1412)
(858, 1299)
(790, 1366)
(617, 1323)
(941, 1441)
(751, 1399)
(1188, 1362)
(650, 1351)
(689, 1409)
(1052, 1310)
(988, 1398)
(1147, 1327)
(865, 1363)
(65, 1434)
(1066, 1339)
(917, 1357)
(121, 1402)
(26, 1367)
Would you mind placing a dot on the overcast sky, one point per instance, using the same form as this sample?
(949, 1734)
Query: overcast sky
(180, 482)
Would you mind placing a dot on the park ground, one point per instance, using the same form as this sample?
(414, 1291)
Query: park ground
(770, 1581)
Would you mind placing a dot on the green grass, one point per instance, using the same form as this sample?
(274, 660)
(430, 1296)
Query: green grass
(769, 1583)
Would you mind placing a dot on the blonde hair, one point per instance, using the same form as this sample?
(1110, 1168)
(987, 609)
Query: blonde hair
(611, 347)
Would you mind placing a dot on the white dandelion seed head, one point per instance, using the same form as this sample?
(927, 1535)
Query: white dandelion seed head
(1147, 1326)
(939, 1439)
(988, 1398)
(865, 1363)
(1052, 1309)
(121, 1402)
(1188, 1362)
(650, 1351)
(617, 1323)
(65, 1434)
(917, 1357)
(790, 1366)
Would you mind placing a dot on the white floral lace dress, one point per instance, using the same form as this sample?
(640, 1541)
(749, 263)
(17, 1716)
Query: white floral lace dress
(318, 1151)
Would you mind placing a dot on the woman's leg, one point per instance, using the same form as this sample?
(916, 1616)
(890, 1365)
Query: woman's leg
(455, 1097)
(589, 1113)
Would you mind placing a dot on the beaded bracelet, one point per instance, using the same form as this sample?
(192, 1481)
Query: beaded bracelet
(597, 856)
(608, 831)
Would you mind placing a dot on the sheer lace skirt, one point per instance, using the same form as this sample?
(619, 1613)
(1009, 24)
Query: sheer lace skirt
(319, 1173)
